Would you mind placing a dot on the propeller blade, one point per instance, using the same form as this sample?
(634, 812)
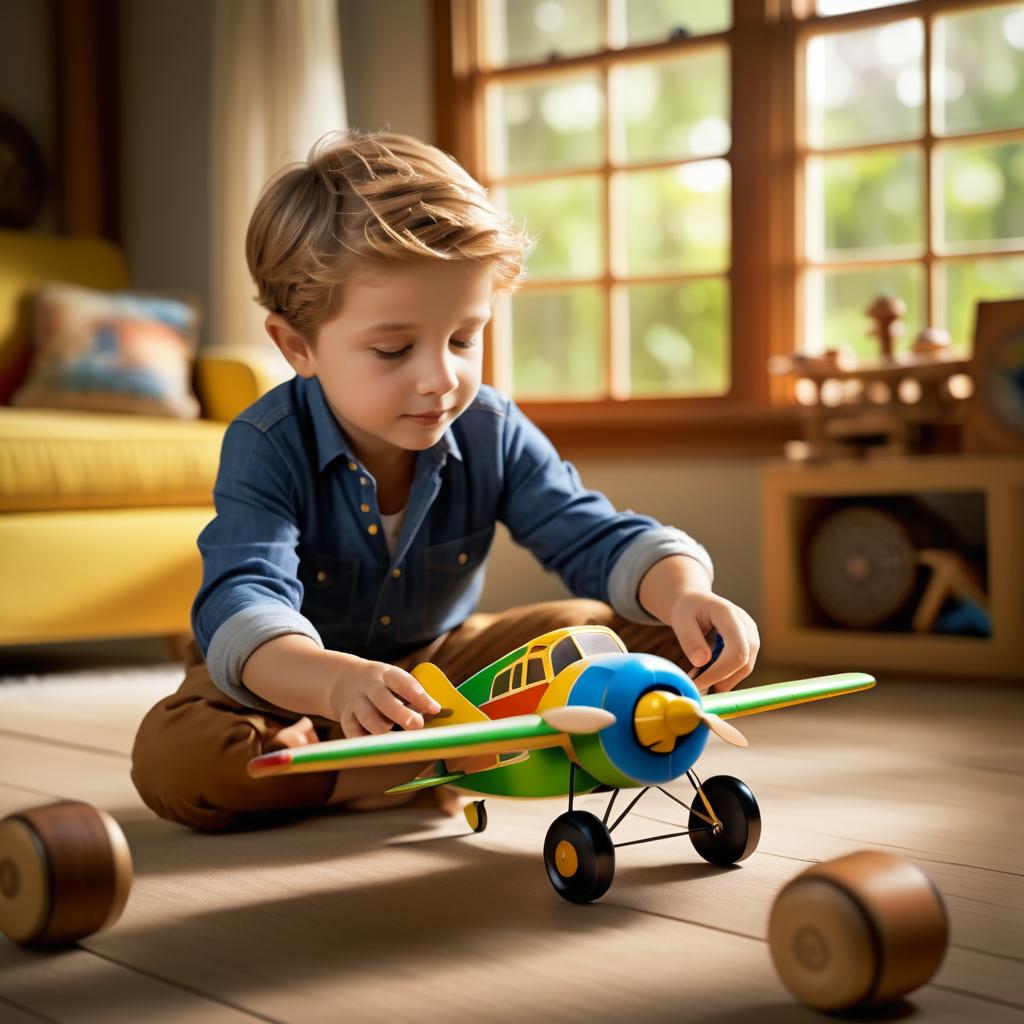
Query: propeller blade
(723, 730)
(578, 719)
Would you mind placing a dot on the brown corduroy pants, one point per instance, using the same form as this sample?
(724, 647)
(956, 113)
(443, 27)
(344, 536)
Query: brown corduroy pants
(190, 753)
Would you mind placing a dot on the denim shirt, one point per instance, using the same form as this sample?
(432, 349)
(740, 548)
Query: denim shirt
(297, 544)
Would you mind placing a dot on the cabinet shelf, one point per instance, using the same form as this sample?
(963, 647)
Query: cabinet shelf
(794, 632)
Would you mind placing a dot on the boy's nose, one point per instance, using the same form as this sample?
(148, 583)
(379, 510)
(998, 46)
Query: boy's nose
(438, 377)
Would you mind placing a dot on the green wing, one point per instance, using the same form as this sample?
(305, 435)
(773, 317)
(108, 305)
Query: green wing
(736, 703)
(522, 732)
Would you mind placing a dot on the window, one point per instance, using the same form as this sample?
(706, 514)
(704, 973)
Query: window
(919, 122)
(517, 675)
(597, 643)
(501, 683)
(535, 670)
(715, 182)
(564, 653)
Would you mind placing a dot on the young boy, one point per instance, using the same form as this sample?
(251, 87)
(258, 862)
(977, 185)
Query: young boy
(356, 503)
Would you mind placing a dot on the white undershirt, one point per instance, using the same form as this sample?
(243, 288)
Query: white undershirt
(392, 528)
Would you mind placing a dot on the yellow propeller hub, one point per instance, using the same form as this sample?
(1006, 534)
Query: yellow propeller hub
(661, 718)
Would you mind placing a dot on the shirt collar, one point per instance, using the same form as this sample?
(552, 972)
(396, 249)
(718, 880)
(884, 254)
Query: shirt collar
(331, 442)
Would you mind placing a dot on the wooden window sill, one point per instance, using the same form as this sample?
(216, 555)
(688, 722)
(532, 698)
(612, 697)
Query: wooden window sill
(664, 427)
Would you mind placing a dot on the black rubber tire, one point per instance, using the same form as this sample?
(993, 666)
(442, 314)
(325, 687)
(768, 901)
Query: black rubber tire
(737, 810)
(594, 852)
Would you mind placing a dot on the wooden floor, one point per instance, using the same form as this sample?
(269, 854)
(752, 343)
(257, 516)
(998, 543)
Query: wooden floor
(404, 916)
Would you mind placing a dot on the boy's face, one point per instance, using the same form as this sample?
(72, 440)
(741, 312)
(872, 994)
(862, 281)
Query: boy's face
(402, 359)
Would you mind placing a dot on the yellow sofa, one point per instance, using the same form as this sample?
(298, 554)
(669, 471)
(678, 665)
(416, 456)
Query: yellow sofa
(99, 513)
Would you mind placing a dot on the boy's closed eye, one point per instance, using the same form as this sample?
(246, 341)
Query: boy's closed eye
(459, 343)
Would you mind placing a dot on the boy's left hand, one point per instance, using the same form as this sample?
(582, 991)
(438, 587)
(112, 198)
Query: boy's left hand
(693, 615)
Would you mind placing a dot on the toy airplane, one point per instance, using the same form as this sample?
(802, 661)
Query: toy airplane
(573, 712)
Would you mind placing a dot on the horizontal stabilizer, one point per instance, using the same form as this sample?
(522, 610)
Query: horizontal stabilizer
(756, 699)
(433, 780)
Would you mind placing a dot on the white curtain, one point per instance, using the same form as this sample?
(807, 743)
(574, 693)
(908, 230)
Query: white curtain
(277, 87)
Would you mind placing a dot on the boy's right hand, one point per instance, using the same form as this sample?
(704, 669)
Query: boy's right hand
(376, 697)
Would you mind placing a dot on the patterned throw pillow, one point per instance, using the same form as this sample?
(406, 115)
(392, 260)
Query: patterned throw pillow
(111, 352)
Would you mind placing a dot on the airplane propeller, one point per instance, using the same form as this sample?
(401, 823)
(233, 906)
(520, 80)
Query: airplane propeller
(661, 718)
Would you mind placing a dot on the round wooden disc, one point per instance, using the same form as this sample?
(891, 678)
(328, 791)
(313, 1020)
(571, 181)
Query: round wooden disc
(857, 931)
(65, 872)
(24, 882)
(861, 566)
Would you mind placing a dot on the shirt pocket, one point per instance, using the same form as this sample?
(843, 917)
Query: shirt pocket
(454, 577)
(329, 585)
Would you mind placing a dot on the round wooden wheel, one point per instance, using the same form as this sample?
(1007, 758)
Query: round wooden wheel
(857, 931)
(65, 872)
(861, 566)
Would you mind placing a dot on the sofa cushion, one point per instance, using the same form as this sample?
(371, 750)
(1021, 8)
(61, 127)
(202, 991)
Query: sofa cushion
(80, 460)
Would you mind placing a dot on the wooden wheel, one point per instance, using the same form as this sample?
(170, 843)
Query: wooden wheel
(861, 566)
(857, 931)
(65, 872)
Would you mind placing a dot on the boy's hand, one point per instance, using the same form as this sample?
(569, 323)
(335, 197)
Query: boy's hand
(695, 613)
(376, 697)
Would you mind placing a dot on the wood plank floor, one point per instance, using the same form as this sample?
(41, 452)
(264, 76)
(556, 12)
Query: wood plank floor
(403, 915)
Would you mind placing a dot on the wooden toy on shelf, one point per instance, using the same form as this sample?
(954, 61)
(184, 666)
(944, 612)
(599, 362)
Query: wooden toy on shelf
(858, 931)
(952, 576)
(65, 873)
(569, 713)
(897, 403)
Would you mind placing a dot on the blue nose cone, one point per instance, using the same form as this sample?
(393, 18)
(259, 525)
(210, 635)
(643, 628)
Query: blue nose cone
(616, 682)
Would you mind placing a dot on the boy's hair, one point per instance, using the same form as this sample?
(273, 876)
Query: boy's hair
(362, 198)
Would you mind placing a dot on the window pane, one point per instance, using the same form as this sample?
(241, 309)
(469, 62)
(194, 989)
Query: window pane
(679, 338)
(549, 125)
(847, 6)
(649, 21)
(866, 86)
(840, 189)
(836, 301)
(979, 70)
(566, 219)
(677, 220)
(557, 344)
(983, 195)
(678, 108)
(966, 282)
(523, 31)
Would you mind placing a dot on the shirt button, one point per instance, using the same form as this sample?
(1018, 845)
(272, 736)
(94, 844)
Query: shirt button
(321, 576)
(352, 466)
(363, 481)
(396, 573)
(385, 620)
(372, 529)
(364, 507)
(463, 558)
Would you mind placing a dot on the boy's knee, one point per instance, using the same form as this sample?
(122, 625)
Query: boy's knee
(178, 772)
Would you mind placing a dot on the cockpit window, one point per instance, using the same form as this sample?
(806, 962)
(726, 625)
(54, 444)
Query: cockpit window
(564, 653)
(597, 643)
(534, 670)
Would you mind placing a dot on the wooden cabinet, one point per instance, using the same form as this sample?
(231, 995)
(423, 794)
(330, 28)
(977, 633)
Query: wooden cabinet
(797, 497)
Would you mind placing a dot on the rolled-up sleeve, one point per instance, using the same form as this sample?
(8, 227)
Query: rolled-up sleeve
(250, 591)
(598, 551)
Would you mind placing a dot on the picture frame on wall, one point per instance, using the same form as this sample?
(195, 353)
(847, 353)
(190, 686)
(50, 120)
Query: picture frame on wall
(994, 417)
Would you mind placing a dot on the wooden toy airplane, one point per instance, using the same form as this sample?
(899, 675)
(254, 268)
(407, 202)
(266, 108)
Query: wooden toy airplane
(573, 712)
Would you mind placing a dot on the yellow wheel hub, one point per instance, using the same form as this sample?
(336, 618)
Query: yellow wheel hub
(566, 859)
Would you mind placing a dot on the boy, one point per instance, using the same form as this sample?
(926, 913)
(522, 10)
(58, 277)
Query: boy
(356, 502)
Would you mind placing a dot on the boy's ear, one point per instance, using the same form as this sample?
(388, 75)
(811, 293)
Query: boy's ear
(293, 345)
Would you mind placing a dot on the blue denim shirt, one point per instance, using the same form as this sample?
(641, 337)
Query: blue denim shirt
(297, 544)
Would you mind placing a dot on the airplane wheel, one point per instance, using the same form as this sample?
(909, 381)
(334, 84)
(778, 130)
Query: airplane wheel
(65, 873)
(579, 856)
(737, 810)
(476, 815)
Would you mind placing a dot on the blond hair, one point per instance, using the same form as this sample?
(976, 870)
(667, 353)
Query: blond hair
(365, 198)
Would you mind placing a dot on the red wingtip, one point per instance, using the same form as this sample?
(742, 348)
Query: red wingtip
(268, 764)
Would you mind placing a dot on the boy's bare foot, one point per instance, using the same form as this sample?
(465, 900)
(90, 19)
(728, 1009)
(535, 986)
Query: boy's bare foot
(298, 734)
